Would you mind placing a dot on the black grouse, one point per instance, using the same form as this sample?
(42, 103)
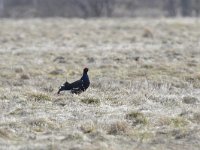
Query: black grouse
(78, 86)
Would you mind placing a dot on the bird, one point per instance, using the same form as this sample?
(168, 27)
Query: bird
(78, 86)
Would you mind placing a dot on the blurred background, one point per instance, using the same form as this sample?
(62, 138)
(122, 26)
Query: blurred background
(99, 8)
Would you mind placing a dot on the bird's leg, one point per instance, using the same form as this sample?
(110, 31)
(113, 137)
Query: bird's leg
(58, 92)
(60, 89)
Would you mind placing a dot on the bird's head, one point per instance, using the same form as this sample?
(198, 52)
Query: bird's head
(85, 70)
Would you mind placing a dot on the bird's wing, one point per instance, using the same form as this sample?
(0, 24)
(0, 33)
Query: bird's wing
(77, 84)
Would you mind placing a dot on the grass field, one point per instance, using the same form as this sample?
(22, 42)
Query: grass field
(144, 93)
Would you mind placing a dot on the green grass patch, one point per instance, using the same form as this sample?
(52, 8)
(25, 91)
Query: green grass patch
(39, 97)
(178, 122)
(90, 101)
(137, 118)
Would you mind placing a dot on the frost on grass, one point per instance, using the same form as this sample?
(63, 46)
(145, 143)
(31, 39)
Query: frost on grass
(144, 92)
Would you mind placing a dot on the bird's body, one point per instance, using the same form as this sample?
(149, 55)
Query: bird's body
(78, 86)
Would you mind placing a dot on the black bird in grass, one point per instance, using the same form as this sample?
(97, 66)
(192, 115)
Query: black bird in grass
(78, 86)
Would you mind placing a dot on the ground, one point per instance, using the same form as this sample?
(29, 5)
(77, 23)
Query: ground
(144, 93)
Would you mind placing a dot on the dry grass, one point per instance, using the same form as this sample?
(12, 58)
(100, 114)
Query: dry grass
(137, 118)
(144, 93)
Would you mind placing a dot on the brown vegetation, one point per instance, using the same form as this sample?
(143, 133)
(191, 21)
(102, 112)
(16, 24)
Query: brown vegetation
(144, 91)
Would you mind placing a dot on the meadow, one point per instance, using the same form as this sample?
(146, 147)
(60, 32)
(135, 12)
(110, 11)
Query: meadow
(144, 92)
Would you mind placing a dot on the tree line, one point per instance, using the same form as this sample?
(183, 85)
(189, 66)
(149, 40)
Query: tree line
(98, 8)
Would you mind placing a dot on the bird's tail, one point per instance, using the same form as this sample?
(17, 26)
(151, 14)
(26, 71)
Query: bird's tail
(65, 86)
